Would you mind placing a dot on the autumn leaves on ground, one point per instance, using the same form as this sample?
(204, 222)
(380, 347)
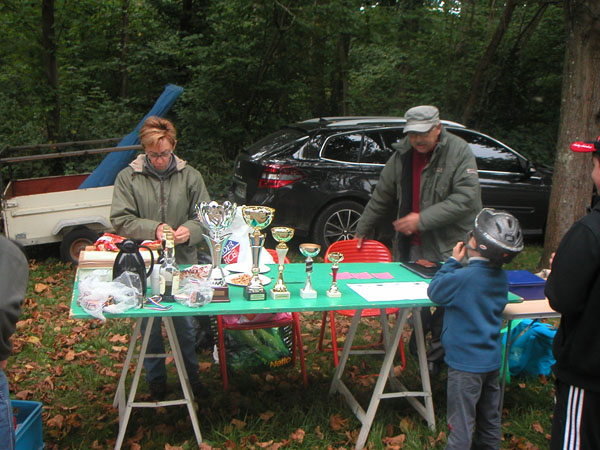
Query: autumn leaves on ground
(72, 367)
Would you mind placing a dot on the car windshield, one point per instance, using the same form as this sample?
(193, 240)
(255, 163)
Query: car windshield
(275, 140)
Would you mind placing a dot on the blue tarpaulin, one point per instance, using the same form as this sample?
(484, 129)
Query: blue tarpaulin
(113, 163)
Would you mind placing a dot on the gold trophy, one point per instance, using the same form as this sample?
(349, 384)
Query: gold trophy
(281, 235)
(258, 218)
(309, 251)
(335, 258)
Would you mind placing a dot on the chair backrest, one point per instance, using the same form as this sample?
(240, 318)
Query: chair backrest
(370, 251)
(273, 253)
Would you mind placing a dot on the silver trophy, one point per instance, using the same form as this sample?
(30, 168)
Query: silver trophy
(217, 218)
(309, 251)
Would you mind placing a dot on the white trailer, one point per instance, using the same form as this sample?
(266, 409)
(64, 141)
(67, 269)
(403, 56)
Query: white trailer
(53, 209)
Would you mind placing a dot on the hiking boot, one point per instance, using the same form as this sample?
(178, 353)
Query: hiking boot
(158, 390)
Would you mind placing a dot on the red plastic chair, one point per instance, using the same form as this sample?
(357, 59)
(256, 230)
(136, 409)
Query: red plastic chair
(370, 251)
(294, 321)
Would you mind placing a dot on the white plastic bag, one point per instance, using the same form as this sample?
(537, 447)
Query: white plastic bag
(97, 295)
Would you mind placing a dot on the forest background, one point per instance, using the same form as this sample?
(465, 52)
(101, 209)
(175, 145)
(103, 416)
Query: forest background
(87, 69)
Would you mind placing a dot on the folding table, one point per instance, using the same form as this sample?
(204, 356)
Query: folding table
(294, 277)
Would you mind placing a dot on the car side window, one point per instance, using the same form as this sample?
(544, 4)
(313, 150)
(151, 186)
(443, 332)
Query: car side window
(343, 147)
(392, 136)
(490, 155)
(374, 151)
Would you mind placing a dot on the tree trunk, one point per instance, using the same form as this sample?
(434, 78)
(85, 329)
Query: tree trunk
(579, 120)
(51, 69)
(124, 45)
(487, 59)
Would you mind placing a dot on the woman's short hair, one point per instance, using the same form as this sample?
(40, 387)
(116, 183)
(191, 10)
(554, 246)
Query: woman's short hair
(156, 128)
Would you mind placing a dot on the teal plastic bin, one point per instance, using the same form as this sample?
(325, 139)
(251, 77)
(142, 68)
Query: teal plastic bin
(29, 424)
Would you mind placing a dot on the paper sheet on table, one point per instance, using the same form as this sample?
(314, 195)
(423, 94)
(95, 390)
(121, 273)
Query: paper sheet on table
(387, 292)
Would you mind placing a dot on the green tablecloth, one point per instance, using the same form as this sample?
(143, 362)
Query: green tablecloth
(294, 277)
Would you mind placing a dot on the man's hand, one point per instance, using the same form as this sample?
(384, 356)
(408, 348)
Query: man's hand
(360, 240)
(408, 224)
(459, 251)
(182, 235)
(3, 364)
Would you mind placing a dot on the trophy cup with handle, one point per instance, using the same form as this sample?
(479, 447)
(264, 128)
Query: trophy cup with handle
(335, 258)
(309, 251)
(217, 218)
(258, 218)
(281, 235)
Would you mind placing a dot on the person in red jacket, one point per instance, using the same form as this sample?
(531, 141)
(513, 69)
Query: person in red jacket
(573, 290)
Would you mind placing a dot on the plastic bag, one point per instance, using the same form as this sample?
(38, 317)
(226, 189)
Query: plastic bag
(97, 294)
(531, 348)
(194, 292)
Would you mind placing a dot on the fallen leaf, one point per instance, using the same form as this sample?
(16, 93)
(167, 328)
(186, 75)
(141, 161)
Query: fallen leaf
(40, 287)
(537, 427)
(298, 435)
(239, 424)
(406, 424)
(267, 416)
(319, 433)
(55, 422)
(338, 423)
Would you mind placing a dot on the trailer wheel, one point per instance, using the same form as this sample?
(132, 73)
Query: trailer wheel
(76, 241)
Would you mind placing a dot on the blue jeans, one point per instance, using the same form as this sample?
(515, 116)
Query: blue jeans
(155, 367)
(7, 427)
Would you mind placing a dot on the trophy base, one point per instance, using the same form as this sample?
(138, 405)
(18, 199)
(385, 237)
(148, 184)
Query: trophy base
(308, 294)
(334, 294)
(254, 294)
(280, 295)
(220, 294)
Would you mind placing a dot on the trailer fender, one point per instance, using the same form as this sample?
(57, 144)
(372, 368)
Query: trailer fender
(70, 224)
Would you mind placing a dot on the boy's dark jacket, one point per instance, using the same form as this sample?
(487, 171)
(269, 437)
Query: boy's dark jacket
(573, 289)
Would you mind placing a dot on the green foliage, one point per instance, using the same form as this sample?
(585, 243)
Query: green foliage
(249, 67)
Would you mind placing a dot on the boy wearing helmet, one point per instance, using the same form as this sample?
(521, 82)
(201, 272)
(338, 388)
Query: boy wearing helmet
(573, 289)
(474, 297)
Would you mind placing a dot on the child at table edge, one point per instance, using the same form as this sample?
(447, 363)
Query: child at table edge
(474, 297)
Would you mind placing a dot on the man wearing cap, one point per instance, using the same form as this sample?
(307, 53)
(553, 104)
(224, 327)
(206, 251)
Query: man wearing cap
(573, 290)
(432, 181)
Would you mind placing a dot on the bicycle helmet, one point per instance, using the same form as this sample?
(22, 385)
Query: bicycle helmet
(498, 235)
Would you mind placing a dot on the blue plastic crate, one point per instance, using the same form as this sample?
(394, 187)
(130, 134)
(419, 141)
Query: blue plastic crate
(29, 425)
(526, 284)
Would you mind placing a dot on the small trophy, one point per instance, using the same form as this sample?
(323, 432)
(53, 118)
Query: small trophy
(281, 235)
(217, 219)
(258, 218)
(335, 258)
(309, 251)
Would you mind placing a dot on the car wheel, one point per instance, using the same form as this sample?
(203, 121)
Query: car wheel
(75, 241)
(337, 222)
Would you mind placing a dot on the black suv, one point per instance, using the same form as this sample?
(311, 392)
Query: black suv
(319, 174)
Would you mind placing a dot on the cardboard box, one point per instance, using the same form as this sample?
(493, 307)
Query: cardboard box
(526, 285)
(29, 425)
